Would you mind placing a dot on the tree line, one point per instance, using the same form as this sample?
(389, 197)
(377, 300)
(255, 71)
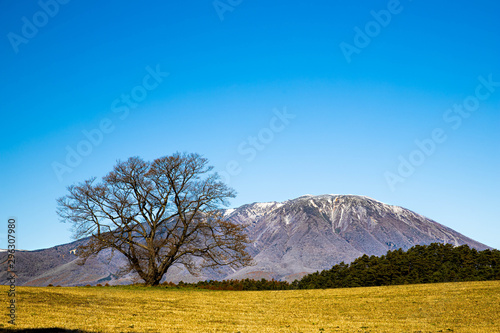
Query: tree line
(420, 264)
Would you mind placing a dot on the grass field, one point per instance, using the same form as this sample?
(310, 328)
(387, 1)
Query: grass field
(447, 307)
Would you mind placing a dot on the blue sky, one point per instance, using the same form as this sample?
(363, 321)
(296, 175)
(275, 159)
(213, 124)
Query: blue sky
(398, 101)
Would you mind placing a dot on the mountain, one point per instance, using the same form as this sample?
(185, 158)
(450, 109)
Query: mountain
(312, 233)
(289, 239)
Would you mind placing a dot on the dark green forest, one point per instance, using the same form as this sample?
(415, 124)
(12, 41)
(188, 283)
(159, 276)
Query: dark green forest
(420, 264)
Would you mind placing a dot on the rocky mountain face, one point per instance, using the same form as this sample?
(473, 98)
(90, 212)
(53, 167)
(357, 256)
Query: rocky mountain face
(289, 239)
(312, 233)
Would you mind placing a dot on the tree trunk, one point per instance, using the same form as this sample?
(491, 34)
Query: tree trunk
(153, 280)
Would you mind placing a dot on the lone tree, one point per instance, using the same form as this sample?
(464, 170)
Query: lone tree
(157, 214)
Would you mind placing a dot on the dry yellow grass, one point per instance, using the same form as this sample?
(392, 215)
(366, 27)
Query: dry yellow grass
(447, 307)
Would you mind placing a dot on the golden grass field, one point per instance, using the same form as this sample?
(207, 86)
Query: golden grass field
(445, 307)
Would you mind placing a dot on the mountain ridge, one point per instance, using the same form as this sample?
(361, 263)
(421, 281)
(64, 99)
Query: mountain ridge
(289, 239)
(351, 224)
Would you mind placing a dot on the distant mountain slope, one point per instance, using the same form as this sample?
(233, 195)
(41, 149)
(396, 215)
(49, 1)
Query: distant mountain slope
(290, 239)
(311, 233)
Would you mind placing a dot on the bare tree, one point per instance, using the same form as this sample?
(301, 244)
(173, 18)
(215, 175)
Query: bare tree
(157, 214)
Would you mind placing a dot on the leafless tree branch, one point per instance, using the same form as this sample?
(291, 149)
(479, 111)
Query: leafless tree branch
(157, 214)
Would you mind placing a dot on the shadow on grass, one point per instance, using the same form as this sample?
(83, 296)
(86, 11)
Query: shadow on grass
(42, 330)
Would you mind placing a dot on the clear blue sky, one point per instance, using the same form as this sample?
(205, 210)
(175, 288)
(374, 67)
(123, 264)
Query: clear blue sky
(355, 84)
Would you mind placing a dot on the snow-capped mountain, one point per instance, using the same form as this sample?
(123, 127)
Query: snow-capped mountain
(311, 233)
(289, 240)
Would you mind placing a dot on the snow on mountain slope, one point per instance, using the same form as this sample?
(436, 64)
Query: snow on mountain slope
(315, 232)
